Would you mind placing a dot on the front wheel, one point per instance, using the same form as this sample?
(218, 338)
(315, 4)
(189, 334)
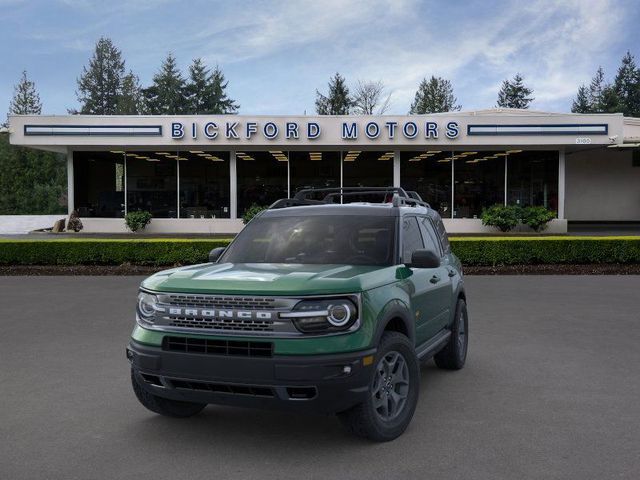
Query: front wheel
(392, 395)
(454, 354)
(164, 406)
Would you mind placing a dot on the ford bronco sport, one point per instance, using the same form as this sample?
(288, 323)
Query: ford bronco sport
(319, 305)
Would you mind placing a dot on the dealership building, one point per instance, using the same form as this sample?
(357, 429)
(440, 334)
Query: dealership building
(199, 174)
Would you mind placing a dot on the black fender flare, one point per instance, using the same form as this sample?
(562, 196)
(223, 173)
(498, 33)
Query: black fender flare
(392, 310)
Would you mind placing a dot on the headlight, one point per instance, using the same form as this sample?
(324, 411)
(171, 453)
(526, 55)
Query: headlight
(146, 306)
(323, 315)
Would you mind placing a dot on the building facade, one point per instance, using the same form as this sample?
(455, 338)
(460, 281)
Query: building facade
(201, 173)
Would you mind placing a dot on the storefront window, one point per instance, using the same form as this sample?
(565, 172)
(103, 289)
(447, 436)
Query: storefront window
(152, 183)
(314, 169)
(428, 172)
(532, 178)
(262, 178)
(204, 184)
(367, 169)
(479, 182)
(99, 184)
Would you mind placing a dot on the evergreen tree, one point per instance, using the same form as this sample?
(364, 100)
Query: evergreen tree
(166, 96)
(206, 92)
(130, 101)
(514, 93)
(100, 84)
(596, 88)
(337, 101)
(627, 86)
(26, 100)
(434, 95)
(581, 104)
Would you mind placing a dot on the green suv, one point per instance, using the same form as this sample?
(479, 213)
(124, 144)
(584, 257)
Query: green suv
(316, 306)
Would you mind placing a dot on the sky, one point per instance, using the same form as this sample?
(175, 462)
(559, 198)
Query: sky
(275, 54)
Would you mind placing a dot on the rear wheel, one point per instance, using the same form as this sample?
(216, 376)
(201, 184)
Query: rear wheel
(164, 406)
(454, 354)
(393, 392)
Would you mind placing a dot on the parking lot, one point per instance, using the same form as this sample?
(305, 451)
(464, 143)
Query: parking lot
(551, 390)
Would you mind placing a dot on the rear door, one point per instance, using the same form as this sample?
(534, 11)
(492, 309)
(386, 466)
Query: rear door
(422, 284)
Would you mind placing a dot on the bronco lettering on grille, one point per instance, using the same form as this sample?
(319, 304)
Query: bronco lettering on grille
(211, 313)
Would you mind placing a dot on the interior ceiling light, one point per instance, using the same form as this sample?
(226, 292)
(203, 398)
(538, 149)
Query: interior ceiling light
(152, 160)
(141, 157)
(172, 156)
(131, 154)
(196, 151)
(514, 151)
(500, 154)
(162, 153)
(117, 151)
(434, 151)
(444, 160)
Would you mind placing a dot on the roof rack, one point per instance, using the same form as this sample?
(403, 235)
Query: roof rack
(397, 196)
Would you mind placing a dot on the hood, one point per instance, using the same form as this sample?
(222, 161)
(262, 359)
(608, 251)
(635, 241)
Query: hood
(270, 279)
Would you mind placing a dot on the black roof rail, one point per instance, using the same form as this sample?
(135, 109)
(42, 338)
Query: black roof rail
(399, 196)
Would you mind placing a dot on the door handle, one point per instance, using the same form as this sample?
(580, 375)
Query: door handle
(434, 279)
(452, 272)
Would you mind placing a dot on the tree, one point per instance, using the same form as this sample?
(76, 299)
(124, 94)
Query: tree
(99, 86)
(514, 93)
(337, 101)
(627, 86)
(130, 100)
(206, 92)
(596, 89)
(370, 98)
(166, 96)
(26, 100)
(581, 104)
(434, 95)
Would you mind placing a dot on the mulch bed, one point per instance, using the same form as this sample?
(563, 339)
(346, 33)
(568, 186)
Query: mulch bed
(592, 269)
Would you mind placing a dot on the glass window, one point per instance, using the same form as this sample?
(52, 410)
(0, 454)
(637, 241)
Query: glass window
(204, 184)
(99, 184)
(152, 183)
(411, 238)
(442, 234)
(430, 237)
(479, 182)
(367, 169)
(428, 173)
(314, 169)
(262, 178)
(317, 239)
(532, 178)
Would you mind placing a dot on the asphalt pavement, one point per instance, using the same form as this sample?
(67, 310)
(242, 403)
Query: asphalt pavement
(551, 390)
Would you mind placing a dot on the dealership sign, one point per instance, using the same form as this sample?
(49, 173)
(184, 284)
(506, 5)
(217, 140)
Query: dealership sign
(348, 130)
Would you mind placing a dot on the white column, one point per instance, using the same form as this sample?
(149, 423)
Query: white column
(396, 168)
(70, 194)
(125, 185)
(233, 186)
(561, 182)
(506, 166)
(178, 187)
(288, 175)
(453, 183)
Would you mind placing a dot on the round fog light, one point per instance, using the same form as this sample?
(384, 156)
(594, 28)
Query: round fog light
(339, 315)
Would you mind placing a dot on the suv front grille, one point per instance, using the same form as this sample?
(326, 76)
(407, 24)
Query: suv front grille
(214, 301)
(222, 324)
(218, 347)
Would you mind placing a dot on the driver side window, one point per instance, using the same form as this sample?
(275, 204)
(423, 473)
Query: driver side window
(411, 238)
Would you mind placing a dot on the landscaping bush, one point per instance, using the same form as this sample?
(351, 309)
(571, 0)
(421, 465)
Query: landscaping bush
(251, 212)
(74, 223)
(137, 220)
(503, 217)
(537, 217)
(481, 251)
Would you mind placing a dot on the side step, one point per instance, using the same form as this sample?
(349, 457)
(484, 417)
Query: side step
(433, 346)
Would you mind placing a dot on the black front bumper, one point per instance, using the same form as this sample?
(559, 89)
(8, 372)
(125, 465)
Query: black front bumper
(319, 383)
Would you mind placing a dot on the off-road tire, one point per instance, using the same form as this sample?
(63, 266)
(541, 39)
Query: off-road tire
(454, 354)
(164, 406)
(363, 419)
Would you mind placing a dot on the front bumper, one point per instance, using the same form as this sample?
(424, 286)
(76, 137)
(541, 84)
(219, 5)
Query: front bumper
(308, 383)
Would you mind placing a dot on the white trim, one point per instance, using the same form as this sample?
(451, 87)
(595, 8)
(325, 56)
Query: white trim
(506, 184)
(178, 187)
(396, 168)
(561, 182)
(453, 183)
(70, 186)
(233, 186)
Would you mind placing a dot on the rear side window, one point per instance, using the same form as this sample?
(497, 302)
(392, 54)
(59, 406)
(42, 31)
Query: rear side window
(431, 241)
(411, 238)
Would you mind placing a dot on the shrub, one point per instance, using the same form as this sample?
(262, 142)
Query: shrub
(251, 212)
(503, 217)
(137, 220)
(537, 217)
(74, 223)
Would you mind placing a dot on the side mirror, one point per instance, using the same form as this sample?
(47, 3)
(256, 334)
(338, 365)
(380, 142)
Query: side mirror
(424, 259)
(214, 254)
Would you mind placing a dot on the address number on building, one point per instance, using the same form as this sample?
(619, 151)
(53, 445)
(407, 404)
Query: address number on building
(583, 141)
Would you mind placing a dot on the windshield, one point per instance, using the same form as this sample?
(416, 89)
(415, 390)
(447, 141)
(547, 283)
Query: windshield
(319, 239)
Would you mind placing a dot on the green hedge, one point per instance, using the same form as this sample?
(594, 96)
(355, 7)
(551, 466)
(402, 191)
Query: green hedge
(167, 252)
(107, 252)
(546, 250)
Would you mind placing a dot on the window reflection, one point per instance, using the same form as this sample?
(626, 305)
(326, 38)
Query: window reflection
(152, 183)
(428, 172)
(479, 182)
(204, 184)
(99, 184)
(262, 178)
(532, 178)
(318, 169)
